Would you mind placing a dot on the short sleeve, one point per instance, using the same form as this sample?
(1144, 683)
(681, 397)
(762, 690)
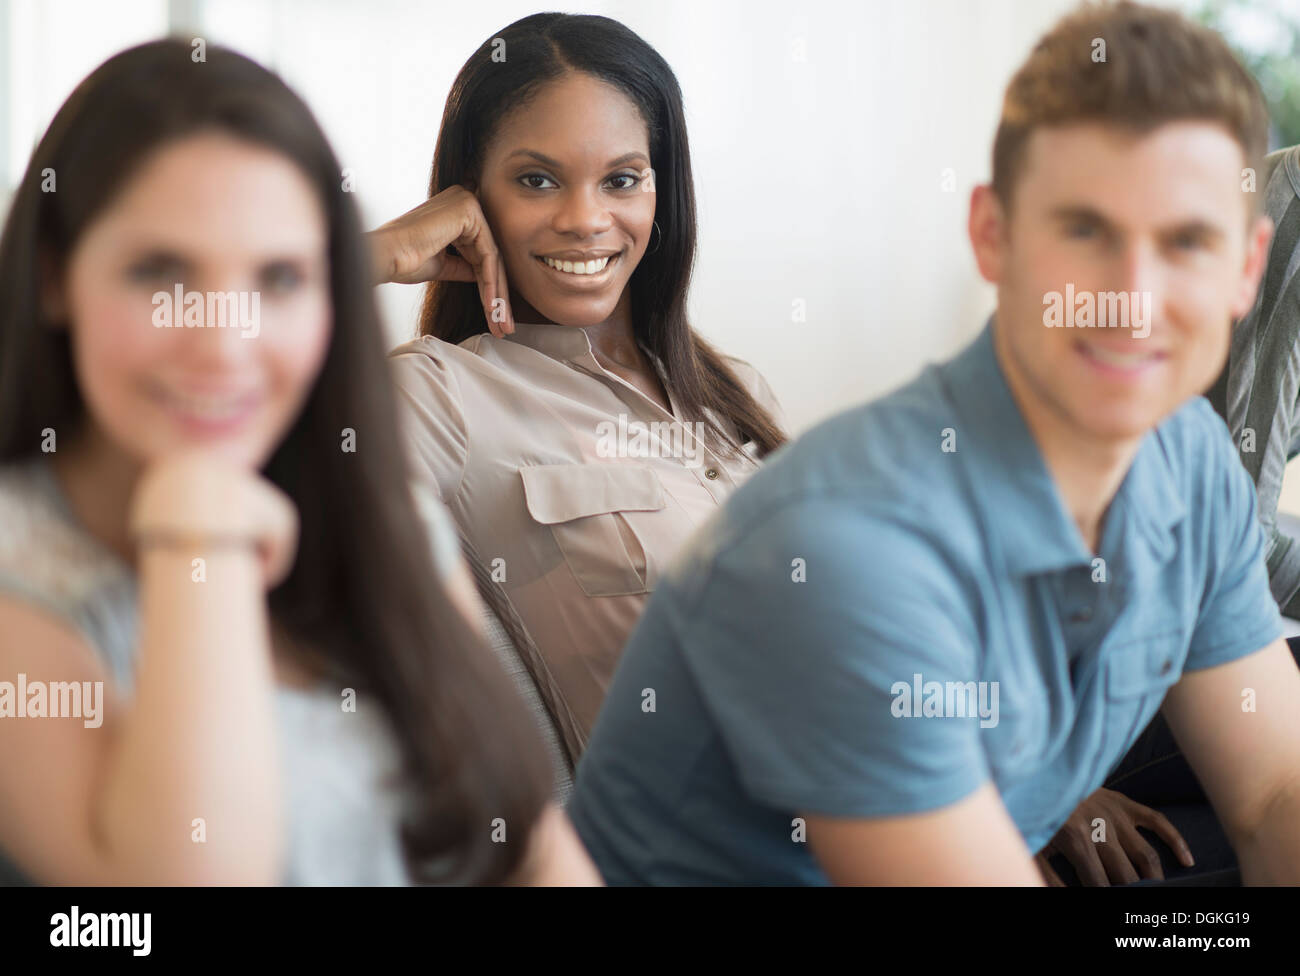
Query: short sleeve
(799, 643)
(1238, 614)
(432, 416)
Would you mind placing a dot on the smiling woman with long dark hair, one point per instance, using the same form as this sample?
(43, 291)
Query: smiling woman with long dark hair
(559, 401)
(183, 521)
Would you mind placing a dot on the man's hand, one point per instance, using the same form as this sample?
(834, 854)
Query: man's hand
(1124, 855)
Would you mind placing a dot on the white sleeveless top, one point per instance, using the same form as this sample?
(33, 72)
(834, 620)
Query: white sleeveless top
(342, 799)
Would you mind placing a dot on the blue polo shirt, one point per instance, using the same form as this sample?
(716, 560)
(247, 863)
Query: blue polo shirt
(897, 609)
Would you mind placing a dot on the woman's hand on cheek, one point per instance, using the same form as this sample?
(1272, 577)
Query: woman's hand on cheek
(195, 500)
(413, 248)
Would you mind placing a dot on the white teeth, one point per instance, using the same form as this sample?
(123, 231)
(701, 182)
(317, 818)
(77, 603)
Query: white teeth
(578, 267)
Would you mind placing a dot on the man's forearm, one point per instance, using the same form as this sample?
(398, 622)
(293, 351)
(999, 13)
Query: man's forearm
(1270, 854)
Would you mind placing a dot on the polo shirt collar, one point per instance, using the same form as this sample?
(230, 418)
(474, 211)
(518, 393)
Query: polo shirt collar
(1150, 496)
(1015, 495)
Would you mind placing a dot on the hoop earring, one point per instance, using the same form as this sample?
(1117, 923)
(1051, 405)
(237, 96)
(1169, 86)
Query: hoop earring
(658, 242)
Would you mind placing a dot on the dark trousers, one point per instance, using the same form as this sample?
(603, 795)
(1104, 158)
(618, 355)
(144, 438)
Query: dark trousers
(1154, 773)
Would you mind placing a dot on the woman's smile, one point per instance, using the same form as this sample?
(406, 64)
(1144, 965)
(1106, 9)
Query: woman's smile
(581, 270)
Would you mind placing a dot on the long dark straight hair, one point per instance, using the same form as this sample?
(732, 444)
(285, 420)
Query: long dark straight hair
(542, 48)
(362, 594)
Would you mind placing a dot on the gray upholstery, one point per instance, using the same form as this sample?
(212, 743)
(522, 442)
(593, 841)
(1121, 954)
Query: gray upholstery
(514, 666)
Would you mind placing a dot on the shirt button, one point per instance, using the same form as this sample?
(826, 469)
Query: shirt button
(1166, 667)
(711, 474)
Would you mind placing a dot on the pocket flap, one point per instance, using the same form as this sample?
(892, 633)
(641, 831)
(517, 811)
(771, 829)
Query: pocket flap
(560, 492)
(1138, 667)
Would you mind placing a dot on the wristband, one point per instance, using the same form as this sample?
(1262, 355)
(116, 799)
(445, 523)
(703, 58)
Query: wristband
(176, 539)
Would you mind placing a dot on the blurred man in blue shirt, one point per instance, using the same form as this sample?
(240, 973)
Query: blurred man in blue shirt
(912, 644)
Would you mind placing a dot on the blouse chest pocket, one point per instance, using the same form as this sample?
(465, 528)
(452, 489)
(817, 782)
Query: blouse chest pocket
(590, 511)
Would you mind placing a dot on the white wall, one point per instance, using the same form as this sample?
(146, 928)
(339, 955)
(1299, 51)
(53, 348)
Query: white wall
(46, 48)
(820, 133)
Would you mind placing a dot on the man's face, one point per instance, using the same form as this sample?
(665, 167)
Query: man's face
(1145, 245)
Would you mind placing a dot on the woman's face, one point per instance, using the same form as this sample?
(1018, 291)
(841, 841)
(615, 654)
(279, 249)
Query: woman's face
(238, 229)
(566, 181)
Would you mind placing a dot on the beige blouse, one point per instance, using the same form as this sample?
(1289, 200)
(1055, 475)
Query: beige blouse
(573, 487)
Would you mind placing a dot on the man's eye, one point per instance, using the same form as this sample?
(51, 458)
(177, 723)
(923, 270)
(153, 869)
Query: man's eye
(1188, 242)
(535, 181)
(1081, 231)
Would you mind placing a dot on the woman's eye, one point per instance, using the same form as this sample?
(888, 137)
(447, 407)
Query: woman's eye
(155, 272)
(535, 181)
(1080, 231)
(281, 278)
(631, 179)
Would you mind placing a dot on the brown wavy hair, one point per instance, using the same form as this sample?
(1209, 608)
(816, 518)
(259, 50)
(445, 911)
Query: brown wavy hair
(1159, 67)
(363, 593)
